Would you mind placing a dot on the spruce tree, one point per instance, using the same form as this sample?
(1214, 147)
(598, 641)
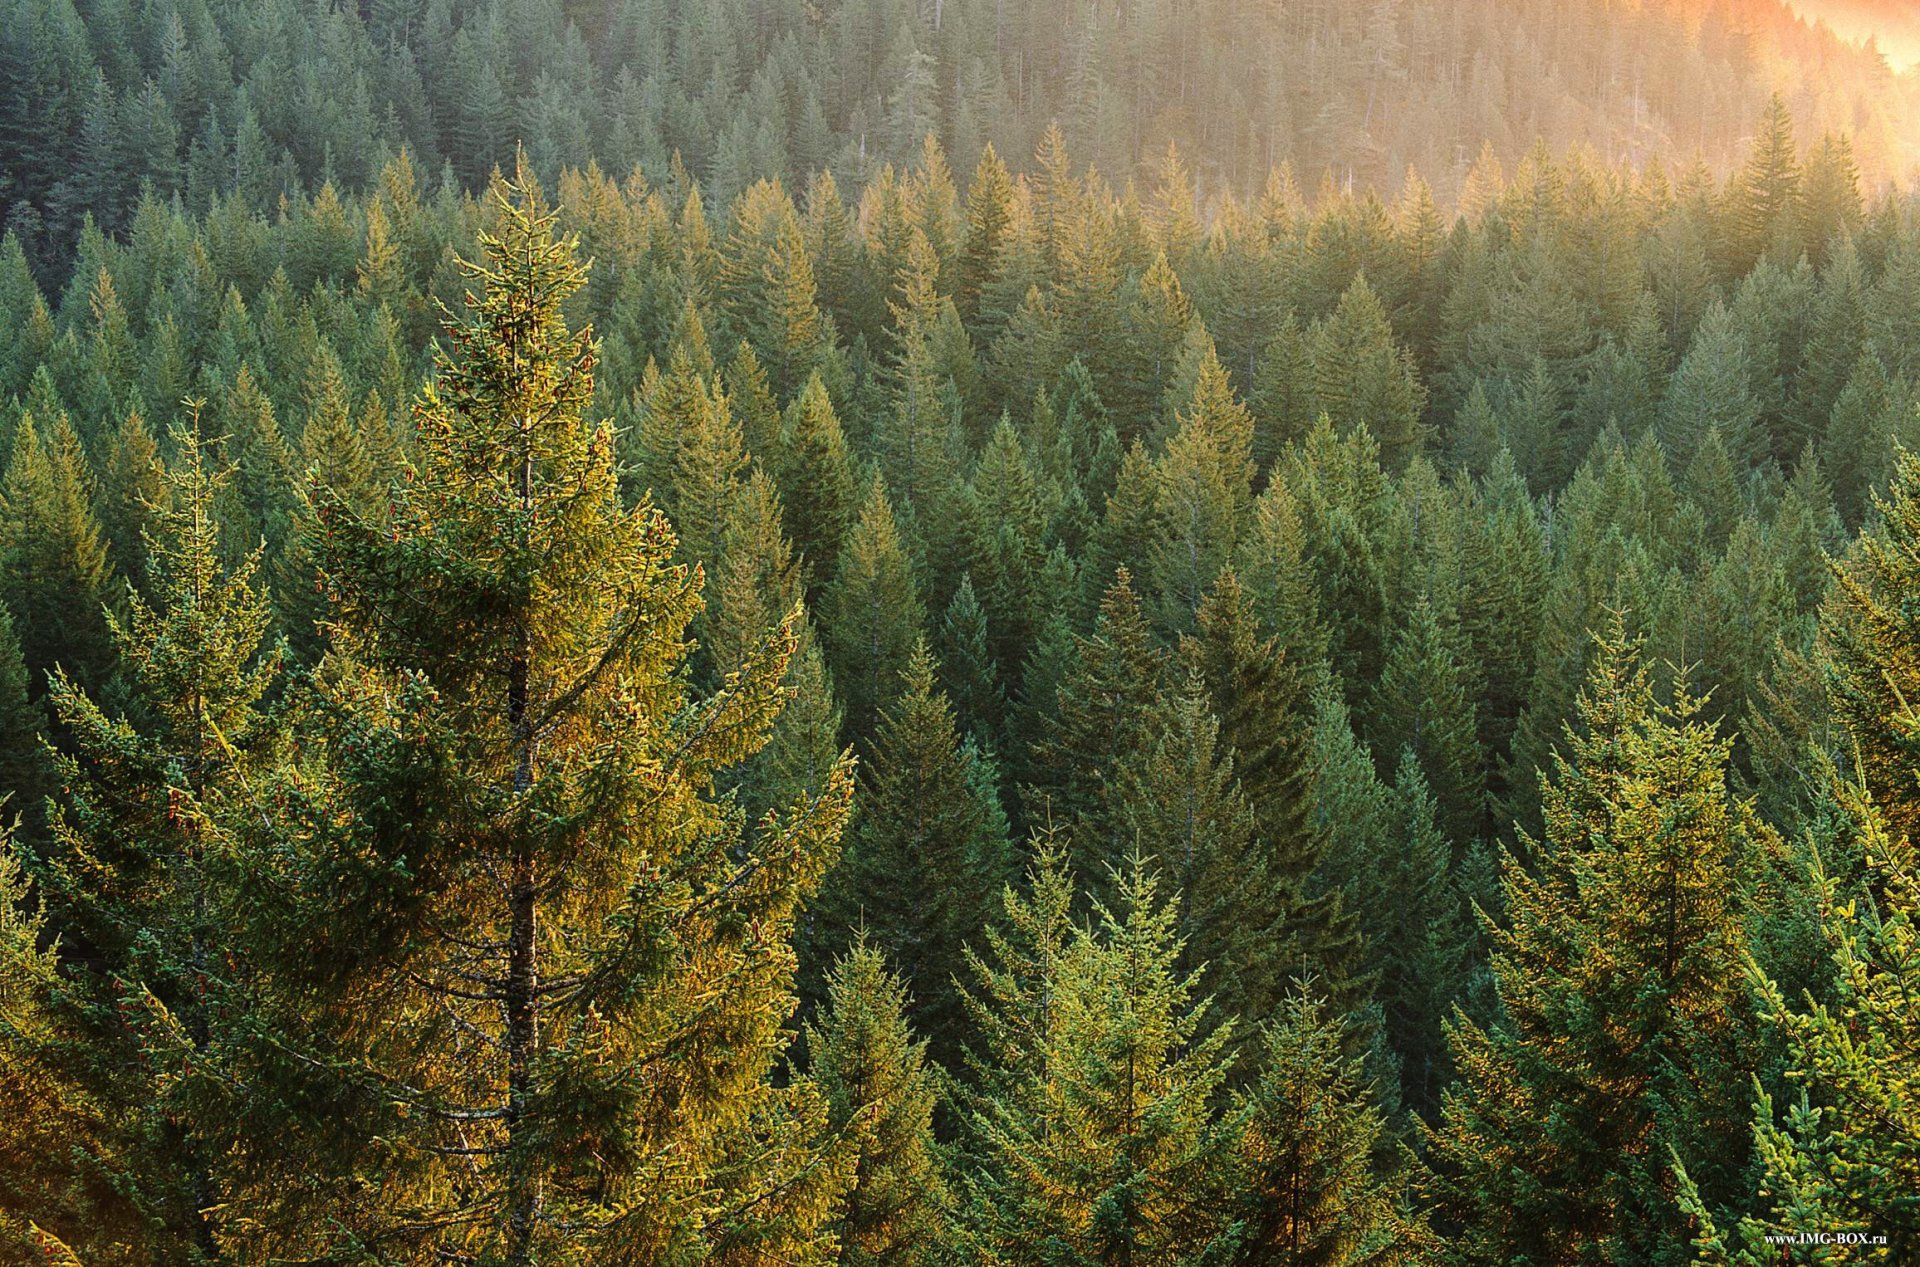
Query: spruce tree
(1842, 1156)
(55, 1192)
(1106, 1146)
(1103, 717)
(53, 555)
(871, 615)
(816, 482)
(1872, 661)
(23, 757)
(1424, 703)
(1306, 1189)
(1363, 378)
(928, 851)
(880, 1089)
(1626, 1028)
(501, 746)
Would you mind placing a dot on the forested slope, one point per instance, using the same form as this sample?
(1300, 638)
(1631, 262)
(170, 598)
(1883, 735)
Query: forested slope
(203, 98)
(1317, 649)
(926, 686)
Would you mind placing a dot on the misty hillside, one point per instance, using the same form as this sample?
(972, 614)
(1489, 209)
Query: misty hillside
(100, 99)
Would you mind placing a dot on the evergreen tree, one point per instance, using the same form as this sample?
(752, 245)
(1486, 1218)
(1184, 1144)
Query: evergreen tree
(1625, 1024)
(1102, 718)
(59, 579)
(881, 1090)
(1362, 378)
(1843, 1157)
(816, 482)
(500, 746)
(1712, 392)
(1107, 1147)
(1424, 704)
(53, 1194)
(1306, 1189)
(1202, 489)
(928, 852)
(968, 672)
(1872, 663)
(130, 492)
(1260, 698)
(129, 869)
(870, 615)
(1766, 194)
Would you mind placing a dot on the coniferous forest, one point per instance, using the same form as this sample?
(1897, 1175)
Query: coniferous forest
(1033, 634)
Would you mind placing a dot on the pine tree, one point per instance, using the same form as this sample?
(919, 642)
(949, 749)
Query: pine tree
(1872, 661)
(1766, 195)
(501, 743)
(1362, 378)
(59, 579)
(871, 614)
(928, 851)
(1106, 1147)
(881, 1090)
(52, 1192)
(1844, 1156)
(1626, 1026)
(1305, 1188)
(130, 870)
(816, 481)
(1203, 486)
(23, 762)
(1102, 718)
(1424, 703)
(1260, 698)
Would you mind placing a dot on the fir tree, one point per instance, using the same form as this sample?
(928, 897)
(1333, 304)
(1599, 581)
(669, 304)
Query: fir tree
(1260, 698)
(1424, 704)
(871, 614)
(1362, 378)
(1872, 663)
(500, 743)
(1843, 1156)
(1202, 489)
(131, 867)
(1102, 718)
(1626, 1025)
(23, 759)
(1306, 1189)
(816, 481)
(59, 579)
(53, 1193)
(928, 851)
(881, 1090)
(1108, 1149)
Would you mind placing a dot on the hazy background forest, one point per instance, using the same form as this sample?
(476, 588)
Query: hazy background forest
(1181, 632)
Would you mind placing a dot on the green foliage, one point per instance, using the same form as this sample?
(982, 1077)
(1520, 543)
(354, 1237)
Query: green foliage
(500, 743)
(928, 852)
(1106, 1146)
(880, 1089)
(1624, 1021)
(1841, 1158)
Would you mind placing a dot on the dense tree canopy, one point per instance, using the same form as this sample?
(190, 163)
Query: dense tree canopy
(747, 696)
